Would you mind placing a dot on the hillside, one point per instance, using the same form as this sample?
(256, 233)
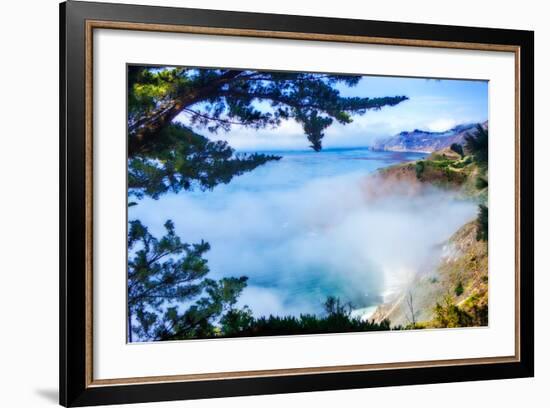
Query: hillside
(452, 289)
(444, 168)
(458, 283)
(424, 141)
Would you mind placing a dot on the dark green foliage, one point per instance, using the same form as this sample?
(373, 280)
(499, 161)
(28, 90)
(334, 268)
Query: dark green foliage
(480, 315)
(459, 289)
(199, 320)
(450, 315)
(182, 159)
(169, 295)
(164, 156)
(241, 323)
(481, 183)
(439, 171)
(441, 164)
(219, 98)
(307, 324)
(236, 322)
(165, 273)
(478, 308)
(477, 144)
(460, 164)
(482, 223)
(419, 168)
(457, 148)
(333, 306)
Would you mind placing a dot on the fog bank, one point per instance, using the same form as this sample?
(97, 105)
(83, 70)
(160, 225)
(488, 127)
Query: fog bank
(319, 235)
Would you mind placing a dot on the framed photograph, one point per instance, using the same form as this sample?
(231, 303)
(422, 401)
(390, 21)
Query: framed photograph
(256, 204)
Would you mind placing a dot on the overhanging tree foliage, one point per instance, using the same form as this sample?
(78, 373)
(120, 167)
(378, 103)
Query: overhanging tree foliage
(165, 155)
(169, 296)
(183, 159)
(220, 98)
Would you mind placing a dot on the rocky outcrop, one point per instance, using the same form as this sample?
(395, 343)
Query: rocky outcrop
(459, 276)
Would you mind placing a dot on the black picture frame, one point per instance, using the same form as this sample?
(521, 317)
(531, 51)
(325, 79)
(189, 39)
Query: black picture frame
(75, 387)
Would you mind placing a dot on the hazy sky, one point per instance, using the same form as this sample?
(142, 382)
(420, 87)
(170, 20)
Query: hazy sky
(435, 105)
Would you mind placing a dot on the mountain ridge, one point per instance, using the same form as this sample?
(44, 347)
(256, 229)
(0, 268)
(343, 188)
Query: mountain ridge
(424, 141)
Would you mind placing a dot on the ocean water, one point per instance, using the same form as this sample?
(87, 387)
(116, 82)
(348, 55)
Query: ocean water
(302, 229)
(299, 167)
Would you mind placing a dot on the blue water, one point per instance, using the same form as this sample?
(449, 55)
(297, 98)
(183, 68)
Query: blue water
(301, 230)
(298, 167)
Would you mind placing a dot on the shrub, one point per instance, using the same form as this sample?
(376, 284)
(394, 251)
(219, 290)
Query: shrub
(457, 148)
(459, 289)
(481, 183)
(477, 144)
(480, 315)
(419, 168)
(478, 308)
(482, 223)
(337, 319)
(450, 315)
(441, 164)
(460, 164)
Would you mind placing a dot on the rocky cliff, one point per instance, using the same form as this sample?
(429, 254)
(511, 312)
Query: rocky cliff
(425, 141)
(452, 289)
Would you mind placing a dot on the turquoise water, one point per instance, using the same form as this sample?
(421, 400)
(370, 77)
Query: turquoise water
(302, 229)
(299, 167)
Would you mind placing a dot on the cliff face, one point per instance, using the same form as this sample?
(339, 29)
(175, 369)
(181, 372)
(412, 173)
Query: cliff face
(459, 278)
(451, 290)
(425, 141)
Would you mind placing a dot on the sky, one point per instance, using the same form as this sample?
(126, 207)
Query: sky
(433, 105)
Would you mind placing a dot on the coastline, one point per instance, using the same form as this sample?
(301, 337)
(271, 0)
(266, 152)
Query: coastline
(416, 303)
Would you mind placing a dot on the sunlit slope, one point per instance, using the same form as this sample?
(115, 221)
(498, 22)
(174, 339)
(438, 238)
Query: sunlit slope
(451, 290)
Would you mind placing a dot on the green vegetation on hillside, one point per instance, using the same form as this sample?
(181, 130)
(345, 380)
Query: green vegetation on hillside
(456, 294)
(446, 169)
(472, 311)
(461, 168)
(448, 314)
(478, 145)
